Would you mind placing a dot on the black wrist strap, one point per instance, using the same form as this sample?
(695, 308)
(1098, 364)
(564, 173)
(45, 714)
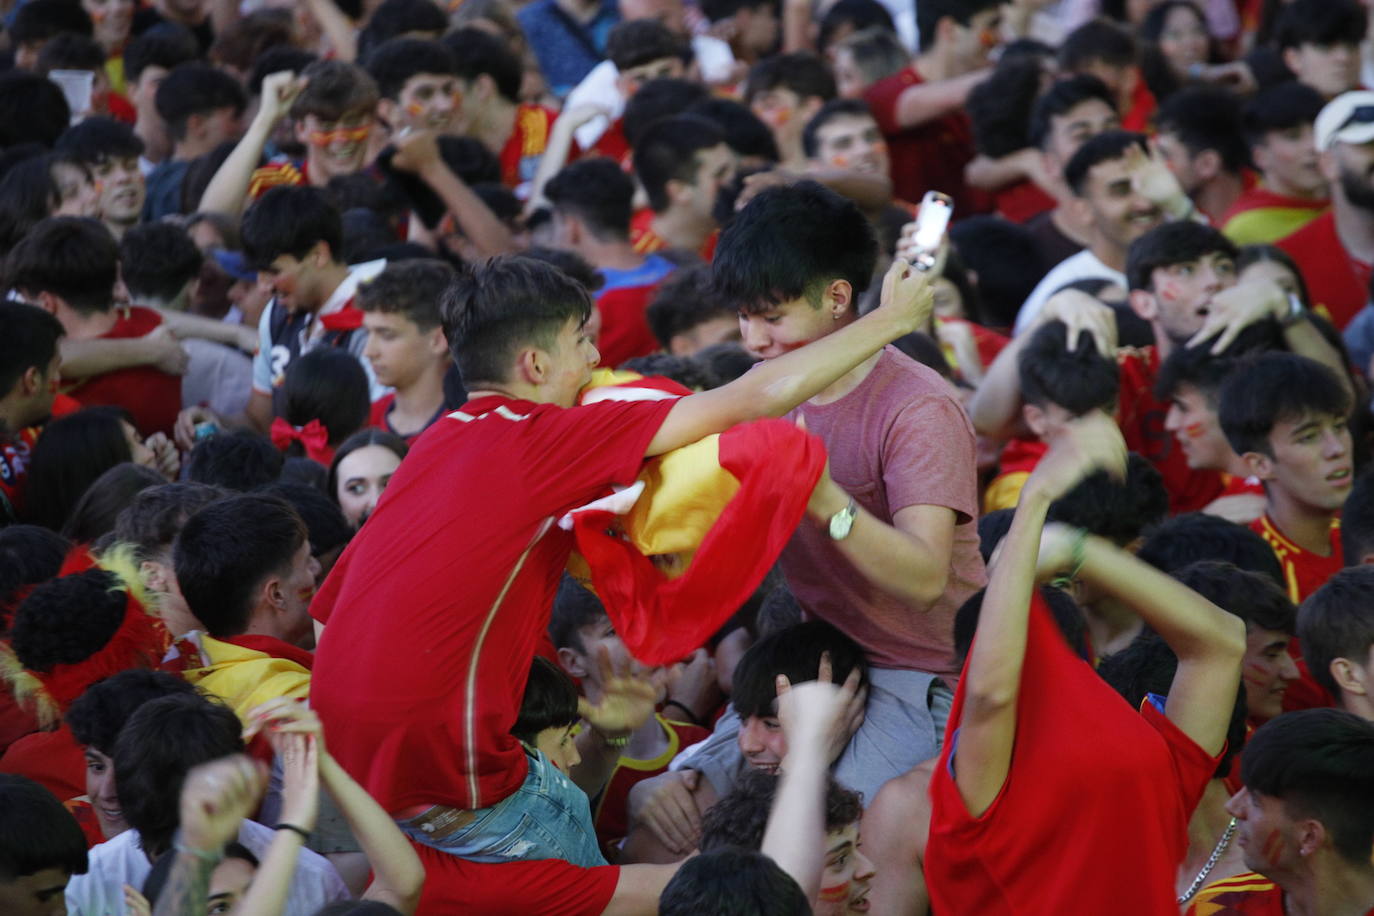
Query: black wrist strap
(304, 834)
(690, 716)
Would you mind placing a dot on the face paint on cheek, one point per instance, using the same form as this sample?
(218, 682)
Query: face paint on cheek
(1256, 675)
(1194, 430)
(840, 160)
(834, 893)
(415, 109)
(340, 135)
(1273, 847)
(1169, 289)
(305, 594)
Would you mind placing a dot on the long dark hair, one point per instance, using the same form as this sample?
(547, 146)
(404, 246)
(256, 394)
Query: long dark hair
(70, 454)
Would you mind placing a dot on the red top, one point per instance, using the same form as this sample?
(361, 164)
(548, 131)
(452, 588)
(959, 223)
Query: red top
(549, 887)
(52, 759)
(1140, 116)
(1141, 417)
(930, 156)
(1337, 283)
(1249, 894)
(611, 809)
(1260, 198)
(526, 143)
(646, 241)
(381, 409)
(1040, 847)
(152, 396)
(1023, 200)
(14, 459)
(464, 553)
(613, 145)
(625, 331)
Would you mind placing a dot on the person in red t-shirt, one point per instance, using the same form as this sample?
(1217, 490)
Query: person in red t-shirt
(28, 385)
(682, 162)
(478, 498)
(1104, 49)
(786, 91)
(1304, 820)
(1019, 802)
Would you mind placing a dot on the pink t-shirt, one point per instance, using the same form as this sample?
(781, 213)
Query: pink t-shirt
(899, 439)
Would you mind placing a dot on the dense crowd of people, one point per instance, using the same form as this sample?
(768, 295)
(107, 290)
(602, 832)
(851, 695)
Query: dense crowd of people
(754, 457)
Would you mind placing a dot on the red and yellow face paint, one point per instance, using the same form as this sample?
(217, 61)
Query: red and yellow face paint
(357, 134)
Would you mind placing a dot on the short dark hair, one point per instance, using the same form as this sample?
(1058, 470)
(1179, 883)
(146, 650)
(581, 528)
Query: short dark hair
(93, 516)
(658, 99)
(393, 62)
(238, 460)
(410, 288)
(69, 256)
(1060, 98)
(1185, 539)
(732, 882)
(291, 221)
(226, 550)
(741, 817)
(1000, 106)
(400, 17)
(867, 17)
(32, 110)
(830, 111)
(66, 620)
(1251, 596)
(1077, 380)
(596, 191)
(636, 42)
(150, 522)
(716, 10)
(1282, 107)
(1116, 510)
(196, 89)
(1068, 618)
(1357, 520)
(795, 652)
(29, 554)
(549, 701)
(158, 745)
(686, 371)
(96, 139)
(573, 265)
(930, 12)
(1195, 367)
(334, 90)
(166, 45)
(29, 342)
(789, 242)
(1107, 146)
(36, 831)
(1320, 22)
(325, 524)
(478, 52)
(685, 299)
(1334, 622)
(1206, 118)
(97, 716)
(40, 20)
(802, 72)
(574, 607)
(493, 309)
(744, 131)
(1174, 242)
(1097, 40)
(1007, 259)
(1269, 388)
(157, 260)
(70, 51)
(667, 150)
(1320, 763)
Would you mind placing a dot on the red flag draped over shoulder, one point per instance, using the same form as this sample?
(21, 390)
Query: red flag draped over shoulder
(710, 522)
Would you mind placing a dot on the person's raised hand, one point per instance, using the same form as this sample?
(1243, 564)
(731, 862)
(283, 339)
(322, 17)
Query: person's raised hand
(1234, 309)
(627, 699)
(907, 293)
(279, 92)
(416, 151)
(135, 904)
(818, 715)
(300, 768)
(185, 430)
(285, 715)
(1152, 180)
(165, 352)
(1082, 314)
(692, 684)
(166, 458)
(1082, 447)
(664, 805)
(762, 181)
(216, 797)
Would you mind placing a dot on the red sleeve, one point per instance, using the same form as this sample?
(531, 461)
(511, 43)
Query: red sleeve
(1193, 766)
(882, 99)
(549, 887)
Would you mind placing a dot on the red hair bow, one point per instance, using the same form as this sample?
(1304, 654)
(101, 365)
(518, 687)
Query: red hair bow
(313, 436)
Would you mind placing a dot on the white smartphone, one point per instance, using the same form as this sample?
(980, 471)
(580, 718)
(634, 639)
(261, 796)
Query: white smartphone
(931, 222)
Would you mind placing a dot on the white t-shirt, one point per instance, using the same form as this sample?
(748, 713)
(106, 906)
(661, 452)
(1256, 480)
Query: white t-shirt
(1083, 266)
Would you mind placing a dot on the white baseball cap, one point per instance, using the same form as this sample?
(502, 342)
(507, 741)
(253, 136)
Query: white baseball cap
(1348, 118)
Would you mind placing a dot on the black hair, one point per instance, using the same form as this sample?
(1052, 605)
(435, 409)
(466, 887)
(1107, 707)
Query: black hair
(166, 45)
(299, 471)
(227, 550)
(574, 607)
(199, 173)
(795, 652)
(362, 439)
(96, 717)
(329, 385)
(1175, 242)
(334, 90)
(1320, 763)
(636, 42)
(325, 524)
(1067, 617)
(70, 51)
(492, 310)
(152, 519)
(96, 139)
(1078, 381)
(725, 361)
(73, 451)
(1269, 388)
(716, 10)
(1000, 106)
(802, 72)
(470, 160)
(549, 701)
(744, 131)
(1059, 99)
(790, 242)
(95, 512)
(835, 108)
(732, 882)
(158, 745)
(276, 60)
(1273, 254)
(684, 300)
(290, 221)
(245, 40)
(411, 288)
(401, 17)
(992, 527)
(1116, 510)
(65, 621)
(857, 15)
(1007, 260)
(930, 12)
(29, 342)
(1282, 107)
(1194, 536)
(740, 818)
(36, 832)
(1320, 22)
(238, 461)
(393, 62)
(478, 52)
(40, 20)
(1147, 666)
(28, 194)
(1357, 520)
(684, 370)
(1251, 596)
(659, 98)
(1334, 622)
(667, 150)
(1107, 146)
(1206, 118)
(32, 110)
(1097, 40)
(156, 881)
(28, 555)
(69, 256)
(196, 89)
(598, 192)
(1197, 368)
(573, 265)
(157, 261)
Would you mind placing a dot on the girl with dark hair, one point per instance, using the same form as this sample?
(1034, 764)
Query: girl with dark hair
(362, 468)
(95, 512)
(45, 185)
(326, 402)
